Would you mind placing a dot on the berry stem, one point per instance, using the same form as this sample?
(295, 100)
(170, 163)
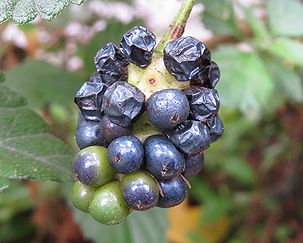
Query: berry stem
(177, 26)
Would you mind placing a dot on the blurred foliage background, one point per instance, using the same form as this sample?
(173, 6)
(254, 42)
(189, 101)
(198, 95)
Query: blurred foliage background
(250, 189)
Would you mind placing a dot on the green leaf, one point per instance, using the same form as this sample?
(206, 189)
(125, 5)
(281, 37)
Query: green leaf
(245, 82)
(285, 17)
(27, 149)
(43, 83)
(147, 227)
(288, 49)
(219, 17)
(4, 183)
(287, 82)
(23, 11)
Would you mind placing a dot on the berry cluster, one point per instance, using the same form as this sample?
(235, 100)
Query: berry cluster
(116, 171)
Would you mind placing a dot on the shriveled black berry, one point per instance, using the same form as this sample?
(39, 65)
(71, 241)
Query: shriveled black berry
(140, 190)
(187, 58)
(162, 159)
(110, 130)
(89, 100)
(216, 128)
(138, 44)
(174, 192)
(88, 133)
(167, 108)
(125, 154)
(95, 78)
(122, 103)
(111, 64)
(204, 102)
(213, 74)
(193, 165)
(191, 137)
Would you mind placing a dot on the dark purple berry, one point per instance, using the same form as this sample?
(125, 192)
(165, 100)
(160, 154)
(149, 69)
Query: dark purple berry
(111, 64)
(140, 190)
(125, 154)
(95, 78)
(174, 192)
(110, 131)
(138, 44)
(122, 103)
(91, 166)
(204, 102)
(213, 75)
(162, 158)
(89, 100)
(88, 133)
(216, 128)
(193, 165)
(167, 108)
(191, 137)
(187, 58)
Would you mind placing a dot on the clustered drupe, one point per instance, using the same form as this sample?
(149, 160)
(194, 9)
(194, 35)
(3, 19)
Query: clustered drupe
(116, 171)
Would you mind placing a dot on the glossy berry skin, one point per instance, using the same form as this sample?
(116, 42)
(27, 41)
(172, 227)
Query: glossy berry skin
(122, 103)
(110, 130)
(111, 64)
(193, 165)
(138, 44)
(213, 75)
(162, 158)
(167, 108)
(174, 192)
(89, 100)
(95, 78)
(125, 154)
(88, 133)
(204, 102)
(91, 166)
(108, 206)
(140, 190)
(216, 128)
(81, 196)
(191, 137)
(187, 59)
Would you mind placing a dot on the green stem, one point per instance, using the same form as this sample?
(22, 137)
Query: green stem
(177, 26)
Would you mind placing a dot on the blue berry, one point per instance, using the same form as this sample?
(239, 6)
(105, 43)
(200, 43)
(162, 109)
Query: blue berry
(162, 158)
(216, 128)
(91, 166)
(174, 192)
(191, 137)
(111, 64)
(95, 78)
(89, 100)
(110, 131)
(138, 44)
(187, 59)
(140, 190)
(193, 165)
(123, 103)
(88, 133)
(213, 75)
(204, 102)
(167, 108)
(125, 154)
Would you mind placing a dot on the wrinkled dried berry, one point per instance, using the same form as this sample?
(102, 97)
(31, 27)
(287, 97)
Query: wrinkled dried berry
(138, 44)
(191, 137)
(89, 100)
(187, 58)
(213, 75)
(111, 64)
(204, 102)
(167, 108)
(110, 131)
(95, 78)
(162, 159)
(122, 103)
(193, 165)
(216, 128)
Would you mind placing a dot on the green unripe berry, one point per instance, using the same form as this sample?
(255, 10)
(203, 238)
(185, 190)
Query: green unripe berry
(92, 168)
(108, 206)
(81, 196)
